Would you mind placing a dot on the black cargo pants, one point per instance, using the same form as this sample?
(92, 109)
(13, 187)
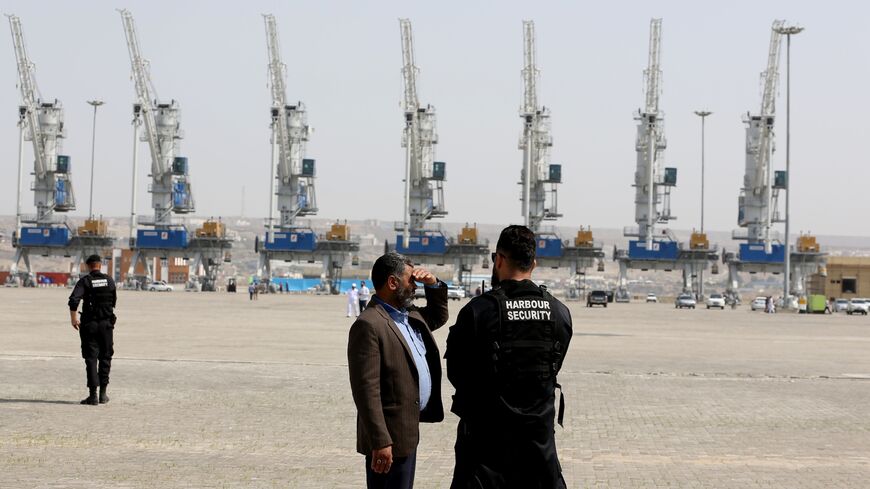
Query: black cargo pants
(97, 350)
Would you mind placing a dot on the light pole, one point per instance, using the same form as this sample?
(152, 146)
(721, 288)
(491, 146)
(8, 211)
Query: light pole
(787, 31)
(95, 104)
(703, 115)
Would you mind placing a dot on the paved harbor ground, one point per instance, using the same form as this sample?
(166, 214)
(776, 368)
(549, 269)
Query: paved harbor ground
(214, 390)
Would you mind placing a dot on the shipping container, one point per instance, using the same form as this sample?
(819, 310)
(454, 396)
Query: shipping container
(427, 244)
(660, 250)
(296, 240)
(162, 238)
(44, 236)
(754, 253)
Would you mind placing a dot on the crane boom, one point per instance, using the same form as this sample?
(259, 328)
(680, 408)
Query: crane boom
(290, 132)
(653, 72)
(170, 188)
(44, 127)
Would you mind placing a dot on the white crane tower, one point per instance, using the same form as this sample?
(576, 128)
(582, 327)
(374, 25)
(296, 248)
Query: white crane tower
(41, 121)
(538, 178)
(170, 186)
(294, 175)
(758, 203)
(424, 177)
(651, 181)
(290, 130)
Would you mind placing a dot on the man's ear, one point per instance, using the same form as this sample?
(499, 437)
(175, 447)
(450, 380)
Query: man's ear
(534, 264)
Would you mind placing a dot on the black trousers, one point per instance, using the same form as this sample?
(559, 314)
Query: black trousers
(489, 458)
(97, 350)
(400, 476)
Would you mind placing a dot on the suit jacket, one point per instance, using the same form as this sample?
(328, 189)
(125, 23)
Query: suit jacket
(384, 379)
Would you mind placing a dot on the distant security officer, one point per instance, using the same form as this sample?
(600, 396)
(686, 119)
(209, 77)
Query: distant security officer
(503, 355)
(96, 291)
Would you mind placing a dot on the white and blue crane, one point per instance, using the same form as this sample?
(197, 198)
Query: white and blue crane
(292, 181)
(424, 183)
(540, 179)
(163, 236)
(758, 203)
(41, 121)
(654, 249)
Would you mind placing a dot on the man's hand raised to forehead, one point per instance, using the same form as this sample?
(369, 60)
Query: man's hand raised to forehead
(424, 276)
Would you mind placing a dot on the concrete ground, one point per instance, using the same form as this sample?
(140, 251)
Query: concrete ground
(213, 390)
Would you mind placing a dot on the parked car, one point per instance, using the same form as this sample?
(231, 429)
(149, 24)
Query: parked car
(858, 306)
(596, 298)
(841, 305)
(651, 298)
(759, 304)
(160, 286)
(685, 301)
(455, 293)
(716, 300)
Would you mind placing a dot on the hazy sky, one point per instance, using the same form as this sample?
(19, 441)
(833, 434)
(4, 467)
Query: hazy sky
(344, 62)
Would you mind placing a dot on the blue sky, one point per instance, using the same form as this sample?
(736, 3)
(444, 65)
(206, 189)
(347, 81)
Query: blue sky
(344, 62)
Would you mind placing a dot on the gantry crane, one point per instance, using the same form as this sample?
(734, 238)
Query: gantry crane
(294, 174)
(652, 249)
(170, 188)
(41, 121)
(540, 179)
(424, 182)
(758, 203)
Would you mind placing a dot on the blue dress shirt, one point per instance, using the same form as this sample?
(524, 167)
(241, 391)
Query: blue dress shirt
(414, 339)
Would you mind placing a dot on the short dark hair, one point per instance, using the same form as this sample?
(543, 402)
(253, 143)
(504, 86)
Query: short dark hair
(389, 264)
(517, 244)
(93, 259)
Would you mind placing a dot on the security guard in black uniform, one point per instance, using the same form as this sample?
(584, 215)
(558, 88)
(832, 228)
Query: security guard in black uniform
(503, 355)
(97, 292)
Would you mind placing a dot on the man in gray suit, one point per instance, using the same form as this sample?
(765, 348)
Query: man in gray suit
(395, 370)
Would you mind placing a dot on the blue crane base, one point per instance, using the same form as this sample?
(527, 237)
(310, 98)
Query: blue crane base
(660, 250)
(754, 253)
(422, 244)
(58, 236)
(161, 238)
(303, 240)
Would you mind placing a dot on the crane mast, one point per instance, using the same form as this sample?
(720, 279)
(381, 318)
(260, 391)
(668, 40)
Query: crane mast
(43, 125)
(290, 131)
(424, 190)
(652, 183)
(759, 196)
(538, 178)
(170, 187)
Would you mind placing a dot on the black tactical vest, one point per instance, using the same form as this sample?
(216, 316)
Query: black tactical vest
(526, 353)
(99, 297)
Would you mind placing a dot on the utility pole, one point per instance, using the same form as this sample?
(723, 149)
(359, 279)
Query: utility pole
(703, 115)
(788, 31)
(94, 104)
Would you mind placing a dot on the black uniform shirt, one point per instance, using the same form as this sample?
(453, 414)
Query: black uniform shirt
(98, 292)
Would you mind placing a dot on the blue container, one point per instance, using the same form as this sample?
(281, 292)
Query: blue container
(161, 238)
(44, 236)
(179, 194)
(60, 193)
(427, 244)
(299, 240)
(548, 246)
(661, 250)
(754, 253)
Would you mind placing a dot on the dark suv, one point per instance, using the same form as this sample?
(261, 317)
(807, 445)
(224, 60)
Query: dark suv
(596, 298)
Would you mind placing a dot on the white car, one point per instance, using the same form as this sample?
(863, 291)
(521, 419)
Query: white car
(652, 298)
(716, 300)
(455, 293)
(159, 286)
(759, 304)
(841, 305)
(858, 306)
(685, 301)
